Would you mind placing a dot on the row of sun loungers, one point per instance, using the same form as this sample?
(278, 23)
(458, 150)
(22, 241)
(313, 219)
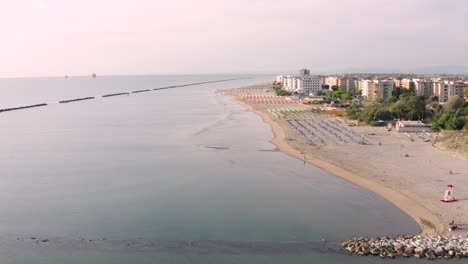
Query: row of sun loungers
(325, 131)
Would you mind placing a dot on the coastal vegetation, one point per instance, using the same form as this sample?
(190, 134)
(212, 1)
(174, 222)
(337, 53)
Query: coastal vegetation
(403, 105)
(339, 94)
(278, 88)
(454, 141)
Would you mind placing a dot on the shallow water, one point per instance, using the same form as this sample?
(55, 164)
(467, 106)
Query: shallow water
(182, 164)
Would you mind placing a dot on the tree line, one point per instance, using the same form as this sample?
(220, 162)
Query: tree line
(278, 88)
(404, 105)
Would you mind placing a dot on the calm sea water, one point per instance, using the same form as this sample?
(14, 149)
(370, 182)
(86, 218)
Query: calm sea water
(141, 167)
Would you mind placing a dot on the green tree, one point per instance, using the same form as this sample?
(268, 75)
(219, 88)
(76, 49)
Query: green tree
(345, 96)
(354, 111)
(397, 92)
(383, 114)
(370, 112)
(334, 88)
(454, 104)
(283, 93)
(417, 107)
(412, 88)
(392, 99)
(432, 98)
(452, 123)
(357, 92)
(400, 110)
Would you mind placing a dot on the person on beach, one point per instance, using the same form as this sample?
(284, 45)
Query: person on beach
(452, 226)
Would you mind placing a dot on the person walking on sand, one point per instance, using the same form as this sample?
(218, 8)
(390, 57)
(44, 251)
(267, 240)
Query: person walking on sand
(452, 226)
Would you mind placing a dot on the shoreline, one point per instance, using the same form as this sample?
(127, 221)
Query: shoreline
(428, 221)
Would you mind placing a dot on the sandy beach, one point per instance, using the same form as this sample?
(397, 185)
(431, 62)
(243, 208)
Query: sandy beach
(410, 173)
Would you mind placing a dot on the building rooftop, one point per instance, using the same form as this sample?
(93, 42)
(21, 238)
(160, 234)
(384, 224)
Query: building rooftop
(414, 124)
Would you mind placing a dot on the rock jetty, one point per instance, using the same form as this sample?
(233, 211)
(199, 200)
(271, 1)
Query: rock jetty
(21, 107)
(75, 100)
(428, 247)
(114, 94)
(141, 91)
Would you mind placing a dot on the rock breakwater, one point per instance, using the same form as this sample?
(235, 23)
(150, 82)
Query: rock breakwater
(75, 100)
(22, 107)
(115, 94)
(429, 247)
(141, 91)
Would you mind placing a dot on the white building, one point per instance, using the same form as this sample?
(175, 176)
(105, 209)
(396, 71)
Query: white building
(448, 89)
(280, 78)
(380, 89)
(331, 81)
(363, 85)
(308, 85)
(423, 87)
(412, 126)
(301, 84)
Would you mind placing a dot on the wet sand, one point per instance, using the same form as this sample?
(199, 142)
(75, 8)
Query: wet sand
(414, 182)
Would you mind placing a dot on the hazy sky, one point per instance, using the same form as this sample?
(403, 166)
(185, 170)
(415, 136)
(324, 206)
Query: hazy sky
(79, 37)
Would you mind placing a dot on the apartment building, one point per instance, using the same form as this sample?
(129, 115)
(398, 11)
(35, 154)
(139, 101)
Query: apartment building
(423, 87)
(405, 83)
(363, 85)
(304, 72)
(347, 84)
(331, 81)
(448, 89)
(306, 84)
(381, 89)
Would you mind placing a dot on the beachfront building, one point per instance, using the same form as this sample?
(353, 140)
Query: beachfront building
(380, 89)
(306, 84)
(309, 85)
(412, 126)
(280, 78)
(290, 83)
(448, 89)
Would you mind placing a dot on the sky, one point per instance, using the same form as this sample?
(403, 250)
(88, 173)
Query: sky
(70, 37)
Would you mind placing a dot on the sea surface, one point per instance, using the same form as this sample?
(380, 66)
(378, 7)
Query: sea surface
(181, 175)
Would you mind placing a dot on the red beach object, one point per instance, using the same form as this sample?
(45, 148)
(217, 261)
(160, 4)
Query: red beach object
(449, 201)
(448, 197)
